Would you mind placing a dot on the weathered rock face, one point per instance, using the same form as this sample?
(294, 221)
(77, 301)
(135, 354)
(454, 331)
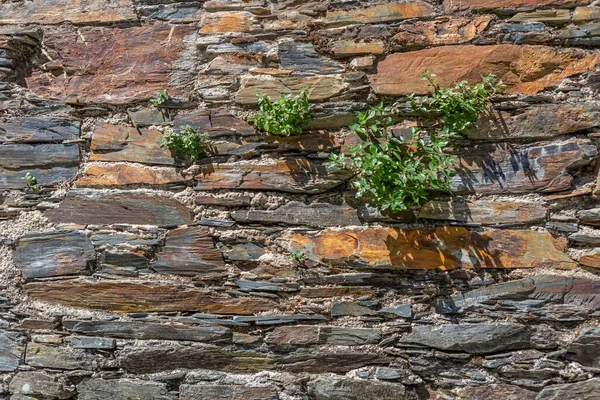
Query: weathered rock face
(96, 63)
(39, 384)
(524, 69)
(508, 5)
(338, 388)
(441, 248)
(587, 390)
(118, 174)
(432, 33)
(585, 348)
(96, 389)
(379, 13)
(209, 392)
(12, 346)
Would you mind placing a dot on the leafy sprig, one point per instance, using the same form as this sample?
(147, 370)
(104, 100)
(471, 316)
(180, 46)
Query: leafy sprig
(285, 117)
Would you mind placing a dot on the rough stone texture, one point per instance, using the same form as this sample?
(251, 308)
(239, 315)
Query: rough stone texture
(440, 32)
(218, 122)
(585, 349)
(496, 391)
(524, 69)
(141, 296)
(508, 5)
(11, 350)
(586, 390)
(48, 356)
(210, 392)
(189, 251)
(294, 175)
(97, 175)
(39, 384)
(441, 248)
(53, 254)
(341, 388)
(96, 63)
(123, 389)
(379, 13)
(137, 209)
(38, 130)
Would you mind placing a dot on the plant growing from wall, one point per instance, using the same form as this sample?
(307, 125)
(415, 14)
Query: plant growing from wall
(186, 143)
(31, 181)
(161, 98)
(285, 117)
(395, 173)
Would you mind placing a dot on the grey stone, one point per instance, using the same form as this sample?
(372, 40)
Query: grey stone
(335, 335)
(335, 360)
(23, 156)
(342, 388)
(471, 338)
(213, 392)
(586, 348)
(589, 217)
(83, 342)
(291, 318)
(147, 330)
(11, 179)
(46, 356)
(244, 252)
(400, 310)
(149, 116)
(123, 389)
(585, 390)
(266, 286)
(42, 255)
(39, 384)
(38, 130)
(12, 345)
(301, 56)
(347, 308)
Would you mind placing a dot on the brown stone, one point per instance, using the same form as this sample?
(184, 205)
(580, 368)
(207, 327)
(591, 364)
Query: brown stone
(324, 360)
(294, 335)
(234, 392)
(139, 296)
(111, 65)
(212, 200)
(189, 251)
(294, 175)
(125, 143)
(224, 22)
(320, 87)
(510, 5)
(336, 291)
(485, 212)
(586, 14)
(441, 248)
(38, 130)
(350, 48)
(45, 356)
(591, 259)
(542, 121)
(440, 32)
(117, 174)
(504, 168)
(523, 69)
(309, 142)
(45, 155)
(216, 122)
(379, 13)
(495, 392)
(75, 11)
(548, 17)
(11, 179)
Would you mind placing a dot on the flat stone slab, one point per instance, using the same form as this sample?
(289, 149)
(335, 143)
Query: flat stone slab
(12, 346)
(43, 255)
(38, 130)
(211, 392)
(123, 389)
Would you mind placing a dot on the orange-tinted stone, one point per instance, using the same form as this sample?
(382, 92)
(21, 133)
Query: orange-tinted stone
(75, 11)
(586, 14)
(118, 174)
(379, 13)
(119, 296)
(591, 259)
(350, 48)
(111, 65)
(441, 248)
(444, 32)
(510, 5)
(524, 69)
(223, 22)
(125, 143)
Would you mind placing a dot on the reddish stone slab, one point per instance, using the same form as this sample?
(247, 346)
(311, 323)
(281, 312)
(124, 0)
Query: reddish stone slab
(510, 5)
(110, 65)
(379, 13)
(440, 32)
(119, 174)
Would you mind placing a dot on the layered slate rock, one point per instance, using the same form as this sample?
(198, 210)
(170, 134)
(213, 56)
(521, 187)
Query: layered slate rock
(77, 12)
(586, 348)
(121, 174)
(38, 384)
(124, 143)
(320, 87)
(332, 387)
(379, 13)
(22, 156)
(216, 122)
(333, 335)
(124, 208)
(296, 213)
(503, 168)
(48, 356)
(436, 33)
(123, 389)
(484, 212)
(471, 338)
(13, 179)
(524, 69)
(137, 296)
(189, 251)
(38, 130)
(12, 346)
(441, 248)
(301, 56)
(111, 65)
(211, 392)
(146, 330)
(508, 6)
(294, 175)
(585, 390)
(496, 392)
(224, 22)
(42, 255)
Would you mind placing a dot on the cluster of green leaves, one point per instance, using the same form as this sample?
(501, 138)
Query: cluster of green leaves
(161, 98)
(285, 117)
(186, 143)
(31, 181)
(396, 173)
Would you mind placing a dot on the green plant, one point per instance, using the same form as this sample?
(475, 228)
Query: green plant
(161, 98)
(187, 142)
(396, 173)
(31, 181)
(297, 256)
(285, 117)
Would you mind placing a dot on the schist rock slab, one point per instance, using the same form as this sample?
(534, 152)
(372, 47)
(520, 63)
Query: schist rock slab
(189, 251)
(294, 175)
(12, 346)
(379, 13)
(440, 248)
(45, 155)
(504, 168)
(510, 6)
(120, 296)
(238, 392)
(216, 122)
(123, 389)
(38, 130)
(121, 174)
(146, 330)
(123, 208)
(43, 255)
(124, 143)
(523, 69)
(112, 65)
(13, 179)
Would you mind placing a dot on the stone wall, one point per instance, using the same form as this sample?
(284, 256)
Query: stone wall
(256, 274)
